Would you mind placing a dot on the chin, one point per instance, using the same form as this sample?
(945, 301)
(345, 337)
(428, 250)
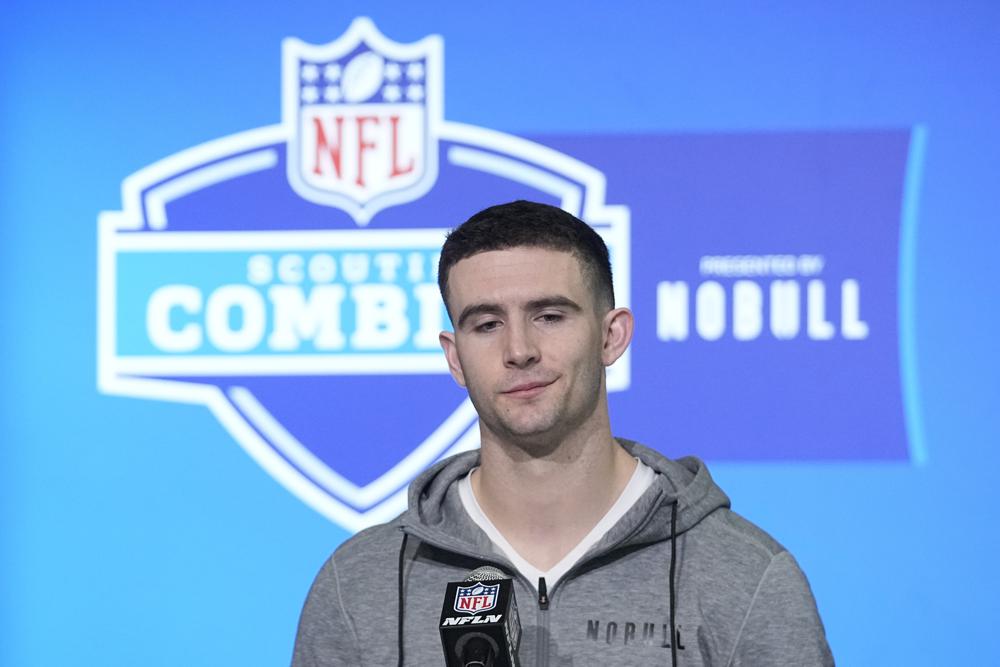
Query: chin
(532, 436)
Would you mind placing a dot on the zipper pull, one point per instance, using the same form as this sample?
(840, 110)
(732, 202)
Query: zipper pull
(543, 594)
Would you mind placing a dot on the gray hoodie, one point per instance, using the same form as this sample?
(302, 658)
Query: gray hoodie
(740, 597)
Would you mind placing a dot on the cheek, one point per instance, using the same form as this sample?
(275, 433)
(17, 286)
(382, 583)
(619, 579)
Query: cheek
(475, 361)
(578, 349)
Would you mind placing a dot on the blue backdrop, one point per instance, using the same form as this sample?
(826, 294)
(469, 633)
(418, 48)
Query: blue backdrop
(138, 532)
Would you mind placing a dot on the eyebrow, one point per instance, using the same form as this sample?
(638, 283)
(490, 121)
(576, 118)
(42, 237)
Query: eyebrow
(535, 304)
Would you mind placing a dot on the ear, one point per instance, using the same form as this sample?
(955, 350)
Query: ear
(617, 325)
(447, 340)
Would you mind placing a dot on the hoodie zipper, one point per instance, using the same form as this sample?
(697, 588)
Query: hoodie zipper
(542, 646)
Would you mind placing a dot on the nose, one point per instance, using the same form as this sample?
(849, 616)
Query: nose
(520, 347)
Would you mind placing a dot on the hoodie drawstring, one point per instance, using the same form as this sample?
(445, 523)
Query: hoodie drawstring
(673, 592)
(399, 622)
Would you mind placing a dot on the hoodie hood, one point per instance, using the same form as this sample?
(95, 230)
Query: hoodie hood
(436, 514)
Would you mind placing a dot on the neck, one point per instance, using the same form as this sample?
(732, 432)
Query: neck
(545, 503)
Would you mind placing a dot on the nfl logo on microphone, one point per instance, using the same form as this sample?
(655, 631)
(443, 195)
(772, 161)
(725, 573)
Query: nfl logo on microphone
(476, 599)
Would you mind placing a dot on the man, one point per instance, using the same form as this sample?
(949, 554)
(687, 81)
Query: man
(619, 555)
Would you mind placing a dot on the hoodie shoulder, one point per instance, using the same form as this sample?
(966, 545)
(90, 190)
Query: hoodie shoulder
(748, 533)
(369, 552)
(370, 538)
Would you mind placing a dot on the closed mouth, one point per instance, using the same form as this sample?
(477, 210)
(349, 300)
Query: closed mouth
(527, 389)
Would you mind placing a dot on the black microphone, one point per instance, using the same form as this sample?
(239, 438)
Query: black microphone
(479, 623)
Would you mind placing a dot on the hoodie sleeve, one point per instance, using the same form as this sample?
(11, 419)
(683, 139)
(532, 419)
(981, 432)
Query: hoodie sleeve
(326, 636)
(782, 626)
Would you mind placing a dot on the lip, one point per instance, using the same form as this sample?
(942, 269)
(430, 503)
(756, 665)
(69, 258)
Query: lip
(527, 389)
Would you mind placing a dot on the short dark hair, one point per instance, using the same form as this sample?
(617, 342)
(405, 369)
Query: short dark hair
(530, 224)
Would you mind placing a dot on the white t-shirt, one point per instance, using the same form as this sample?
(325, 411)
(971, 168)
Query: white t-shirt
(642, 479)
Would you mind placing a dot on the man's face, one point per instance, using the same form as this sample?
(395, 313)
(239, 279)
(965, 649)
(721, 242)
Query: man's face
(529, 343)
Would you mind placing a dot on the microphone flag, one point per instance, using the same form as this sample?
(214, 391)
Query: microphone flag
(479, 622)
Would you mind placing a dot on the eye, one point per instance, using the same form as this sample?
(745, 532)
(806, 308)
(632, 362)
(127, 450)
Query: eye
(488, 326)
(550, 318)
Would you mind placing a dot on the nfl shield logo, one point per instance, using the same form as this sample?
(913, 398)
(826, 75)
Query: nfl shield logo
(476, 599)
(364, 114)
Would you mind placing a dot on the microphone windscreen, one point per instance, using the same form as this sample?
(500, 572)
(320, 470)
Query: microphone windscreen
(486, 573)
